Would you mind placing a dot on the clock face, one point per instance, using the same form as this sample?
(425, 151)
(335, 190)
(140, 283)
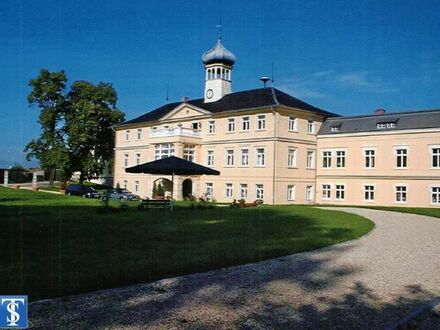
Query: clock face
(209, 93)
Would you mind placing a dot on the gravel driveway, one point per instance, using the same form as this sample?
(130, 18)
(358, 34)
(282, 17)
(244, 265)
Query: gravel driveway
(369, 283)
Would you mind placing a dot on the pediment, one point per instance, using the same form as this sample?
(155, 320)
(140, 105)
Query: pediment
(185, 110)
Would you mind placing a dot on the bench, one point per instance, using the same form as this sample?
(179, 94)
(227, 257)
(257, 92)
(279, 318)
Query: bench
(155, 203)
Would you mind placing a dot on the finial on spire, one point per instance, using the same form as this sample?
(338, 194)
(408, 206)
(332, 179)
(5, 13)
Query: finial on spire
(219, 27)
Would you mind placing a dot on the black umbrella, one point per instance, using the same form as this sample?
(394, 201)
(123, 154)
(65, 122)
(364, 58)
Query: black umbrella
(172, 166)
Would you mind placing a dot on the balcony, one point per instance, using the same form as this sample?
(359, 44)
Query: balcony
(177, 131)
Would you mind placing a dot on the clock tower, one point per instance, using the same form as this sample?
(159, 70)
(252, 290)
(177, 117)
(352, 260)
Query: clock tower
(218, 63)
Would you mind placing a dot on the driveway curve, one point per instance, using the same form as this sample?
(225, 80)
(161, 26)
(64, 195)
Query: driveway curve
(371, 282)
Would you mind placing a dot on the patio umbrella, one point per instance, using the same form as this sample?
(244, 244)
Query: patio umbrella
(172, 166)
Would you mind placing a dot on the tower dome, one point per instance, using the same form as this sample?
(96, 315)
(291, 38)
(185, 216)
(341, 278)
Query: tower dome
(218, 54)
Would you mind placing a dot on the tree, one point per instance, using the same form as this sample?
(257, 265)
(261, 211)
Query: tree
(92, 113)
(50, 149)
(76, 125)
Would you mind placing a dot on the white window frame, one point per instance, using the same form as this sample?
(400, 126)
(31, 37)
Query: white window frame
(400, 196)
(311, 127)
(291, 192)
(229, 190)
(260, 158)
(211, 127)
(293, 124)
(369, 158)
(125, 184)
(326, 191)
(403, 157)
(340, 158)
(259, 191)
(327, 158)
(138, 158)
(209, 189)
(230, 125)
(244, 157)
(291, 157)
(369, 192)
(139, 134)
(312, 163)
(243, 190)
(245, 123)
(310, 193)
(210, 157)
(136, 186)
(340, 191)
(261, 122)
(125, 160)
(435, 155)
(164, 150)
(229, 157)
(127, 135)
(189, 152)
(435, 193)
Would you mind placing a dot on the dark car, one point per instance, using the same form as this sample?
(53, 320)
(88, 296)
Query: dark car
(121, 194)
(82, 190)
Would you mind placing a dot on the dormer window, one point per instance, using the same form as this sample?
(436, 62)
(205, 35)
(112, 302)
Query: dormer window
(335, 128)
(386, 124)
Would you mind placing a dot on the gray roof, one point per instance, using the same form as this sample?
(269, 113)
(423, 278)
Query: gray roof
(218, 54)
(255, 98)
(402, 120)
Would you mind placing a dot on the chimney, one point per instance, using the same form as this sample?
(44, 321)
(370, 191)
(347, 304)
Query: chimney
(185, 99)
(379, 111)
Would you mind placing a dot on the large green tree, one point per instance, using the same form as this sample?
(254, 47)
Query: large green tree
(76, 124)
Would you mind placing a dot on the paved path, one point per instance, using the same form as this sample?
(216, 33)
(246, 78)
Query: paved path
(369, 283)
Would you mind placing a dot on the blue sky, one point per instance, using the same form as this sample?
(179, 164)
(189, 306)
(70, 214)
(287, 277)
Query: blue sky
(348, 57)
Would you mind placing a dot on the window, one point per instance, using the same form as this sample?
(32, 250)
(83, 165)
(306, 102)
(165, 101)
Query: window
(259, 191)
(245, 125)
(138, 158)
(228, 190)
(139, 134)
(188, 152)
(309, 193)
(335, 128)
(291, 192)
(125, 184)
(311, 126)
(209, 189)
(127, 135)
(292, 123)
(310, 159)
(210, 159)
(340, 191)
(369, 193)
(244, 157)
(369, 158)
(326, 191)
(435, 152)
(125, 160)
(291, 157)
(260, 157)
(231, 125)
(211, 127)
(196, 125)
(163, 150)
(401, 194)
(243, 190)
(401, 157)
(326, 159)
(136, 186)
(261, 122)
(229, 157)
(435, 195)
(340, 159)
(389, 124)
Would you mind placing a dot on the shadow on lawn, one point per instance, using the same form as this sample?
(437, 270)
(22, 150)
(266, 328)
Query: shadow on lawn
(286, 293)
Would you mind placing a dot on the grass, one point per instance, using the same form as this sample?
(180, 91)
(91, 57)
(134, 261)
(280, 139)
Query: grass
(428, 211)
(57, 186)
(53, 245)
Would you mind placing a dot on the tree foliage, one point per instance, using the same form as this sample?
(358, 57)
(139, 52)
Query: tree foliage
(76, 124)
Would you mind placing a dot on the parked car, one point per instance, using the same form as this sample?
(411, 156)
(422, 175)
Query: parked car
(121, 194)
(82, 190)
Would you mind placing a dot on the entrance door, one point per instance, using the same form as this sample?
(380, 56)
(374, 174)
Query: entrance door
(187, 188)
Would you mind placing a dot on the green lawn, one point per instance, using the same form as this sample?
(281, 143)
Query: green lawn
(52, 245)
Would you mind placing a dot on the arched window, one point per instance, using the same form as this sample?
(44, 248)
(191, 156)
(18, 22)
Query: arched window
(218, 73)
(209, 74)
(227, 74)
(223, 74)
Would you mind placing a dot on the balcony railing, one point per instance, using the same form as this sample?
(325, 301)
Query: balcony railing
(177, 131)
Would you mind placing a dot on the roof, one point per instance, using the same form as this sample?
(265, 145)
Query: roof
(218, 54)
(402, 121)
(255, 98)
